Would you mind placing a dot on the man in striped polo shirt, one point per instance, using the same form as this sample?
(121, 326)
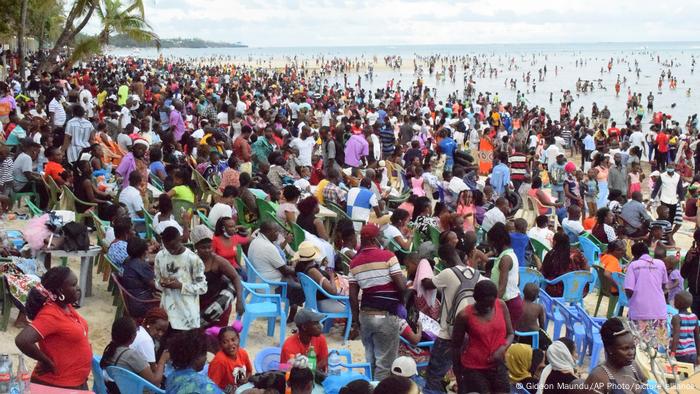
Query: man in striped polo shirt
(518, 167)
(376, 272)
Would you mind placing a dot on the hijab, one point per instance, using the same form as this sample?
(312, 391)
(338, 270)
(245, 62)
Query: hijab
(519, 361)
(560, 359)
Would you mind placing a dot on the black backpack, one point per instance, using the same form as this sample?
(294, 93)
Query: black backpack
(464, 292)
(75, 237)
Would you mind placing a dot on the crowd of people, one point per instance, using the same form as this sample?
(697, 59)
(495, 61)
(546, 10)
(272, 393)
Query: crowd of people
(428, 198)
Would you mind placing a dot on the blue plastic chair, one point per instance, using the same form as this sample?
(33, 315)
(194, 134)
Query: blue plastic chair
(129, 382)
(546, 301)
(593, 342)
(622, 299)
(98, 380)
(529, 275)
(574, 327)
(267, 359)
(348, 364)
(253, 276)
(263, 304)
(311, 289)
(574, 284)
(590, 251)
(423, 345)
(535, 337)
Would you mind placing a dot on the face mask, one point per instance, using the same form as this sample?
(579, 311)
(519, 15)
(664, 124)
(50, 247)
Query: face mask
(670, 170)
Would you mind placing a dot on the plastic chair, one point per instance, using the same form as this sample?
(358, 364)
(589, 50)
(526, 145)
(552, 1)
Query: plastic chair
(242, 210)
(68, 203)
(125, 297)
(552, 215)
(529, 275)
(395, 247)
(423, 345)
(204, 220)
(180, 208)
(53, 190)
(262, 305)
(590, 251)
(267, 359)
(33, 209)
(6, 302)
(266, 210)
(605, 290)
(129, 382)
(574, 328)
(539, 248)
(434, 235)
(254, 277)
(574, 284)
(535, 335)
(547, 303)
(345, 353)
(17, 197)
(98, 380)
(593, 342)
(156, 182)
(206, 191)
(622, 299)
(311, 290)
(603, 247)
(299, 236)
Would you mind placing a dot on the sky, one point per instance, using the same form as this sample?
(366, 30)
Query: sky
(293, 23)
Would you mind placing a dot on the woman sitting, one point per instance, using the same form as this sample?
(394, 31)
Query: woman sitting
(138, 278)
(157, 167)
(561, 371)
(85, 189)
(603, 229)
(230, 176)
(226, 239)
(58, 336)
(524, 366)
(561, 260)
(545, 204)
(165, 218)
(188, 353)
(307, 264)
(620, 368)
(287, 211)
(395, 230)
(149, 334)
(423, 216)
(308, 217)
(119, 354)
(123, 232)
(223, 282)
(231, 366)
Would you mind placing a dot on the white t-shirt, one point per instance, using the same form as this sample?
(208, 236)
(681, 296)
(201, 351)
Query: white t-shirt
(219, 210)
(305, 147)
(456, 186)
(124, 141)
(59, 114)
(159, 224)
(491, 217)
(637, 139)
(131, 197)
(390, 232)
(125, 115)
(543, 235)
(448, 283)
(143, 344)
(574, 226)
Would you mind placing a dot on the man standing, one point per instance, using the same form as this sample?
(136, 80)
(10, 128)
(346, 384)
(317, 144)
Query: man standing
(356, 151)
(500, 176)
(241, 149)
(79, 133)
(557, 176)
(377, 273)
(661, 150)
(588, 148)
(133, 161)
(617, 176)
(669, 190)
(305, 144)
(177, 123)
(57, 114)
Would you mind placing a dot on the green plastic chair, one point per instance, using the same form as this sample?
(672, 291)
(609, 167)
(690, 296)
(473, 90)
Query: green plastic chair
(33, 209)
(148, 218)
(395, 247)
(17, 197)
(204, 220)
(299, 236)
(434, 235)
(343, 265)
(539, 248)
(267, 211)
(605, 290)
(206, 191)
(180, 208)
(68, 203)
(54, 192)
(242, 210)
(156, 182)
(603, 247)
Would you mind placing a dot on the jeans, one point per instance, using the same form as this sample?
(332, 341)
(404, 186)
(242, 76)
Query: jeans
(380, 338)
(558, 193)
(438, 366)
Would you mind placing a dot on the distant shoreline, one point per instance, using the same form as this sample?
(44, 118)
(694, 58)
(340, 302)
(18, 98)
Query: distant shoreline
(124, 42)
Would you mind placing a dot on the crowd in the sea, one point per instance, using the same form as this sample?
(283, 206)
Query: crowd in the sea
(414, 215)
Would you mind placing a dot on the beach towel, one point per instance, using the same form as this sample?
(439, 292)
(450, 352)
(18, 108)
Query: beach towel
(485, 156)
(426, 300)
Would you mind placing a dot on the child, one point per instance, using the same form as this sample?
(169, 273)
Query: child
(417, 181)
(675, 281)
(634, 180)
(590, 192)
(533, 317)
(662, 220)
(231, 366)
(466, 209)
(519, 241)
(685, 332)
(6, 180)
(181, 190)
(53, 168)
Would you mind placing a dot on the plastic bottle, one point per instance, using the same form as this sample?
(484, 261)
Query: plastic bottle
(23, 376)
(334, 363)
(5, 374)
(311, 355)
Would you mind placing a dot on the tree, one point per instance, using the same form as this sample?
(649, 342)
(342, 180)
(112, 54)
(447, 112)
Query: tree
(20, 38)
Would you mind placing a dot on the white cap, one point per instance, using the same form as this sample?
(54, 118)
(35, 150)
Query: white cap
(404, 366)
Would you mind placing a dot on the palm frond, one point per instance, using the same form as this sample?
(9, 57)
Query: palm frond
(85, 48)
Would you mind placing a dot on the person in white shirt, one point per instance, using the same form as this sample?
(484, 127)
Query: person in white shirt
(456, 184)
(56, 111)
(131, 196)
(496, 214)
(572, 224)
(541, 232)
(86, 101)
(224, 207)
(152, 329)
(637, 139)
(305, 144)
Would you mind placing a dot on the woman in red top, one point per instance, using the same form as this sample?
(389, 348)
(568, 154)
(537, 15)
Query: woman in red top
(226, 241)
(479, 367)
(63, 354)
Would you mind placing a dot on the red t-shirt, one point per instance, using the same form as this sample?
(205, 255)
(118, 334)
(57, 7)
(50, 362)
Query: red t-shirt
(293, 346)
(65, 340)
(662, 142)
(484, 337)
(228, 373)
(227, 248)
(54, 170)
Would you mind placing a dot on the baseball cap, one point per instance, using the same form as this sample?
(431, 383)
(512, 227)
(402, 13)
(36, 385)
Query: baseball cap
(199, 233)
(305, 315)
(404, 366)
(369, 230)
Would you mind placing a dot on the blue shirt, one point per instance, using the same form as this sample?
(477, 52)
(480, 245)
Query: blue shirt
(448, 147)
(500, 178)
(588, 143)
(117, 253)
(519, 242)
(187, 381)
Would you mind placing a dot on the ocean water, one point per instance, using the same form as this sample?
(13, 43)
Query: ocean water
(511, 61)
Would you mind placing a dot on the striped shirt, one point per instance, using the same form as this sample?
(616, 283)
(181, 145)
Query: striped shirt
(686, 337)
(371, 270)
(518, 166)
(6, 171)
(80, 130)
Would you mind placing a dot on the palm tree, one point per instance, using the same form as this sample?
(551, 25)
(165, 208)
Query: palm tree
(116, 19)
(20, 38)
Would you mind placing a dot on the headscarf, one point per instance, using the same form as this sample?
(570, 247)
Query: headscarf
(560, 359)
(519, 361)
